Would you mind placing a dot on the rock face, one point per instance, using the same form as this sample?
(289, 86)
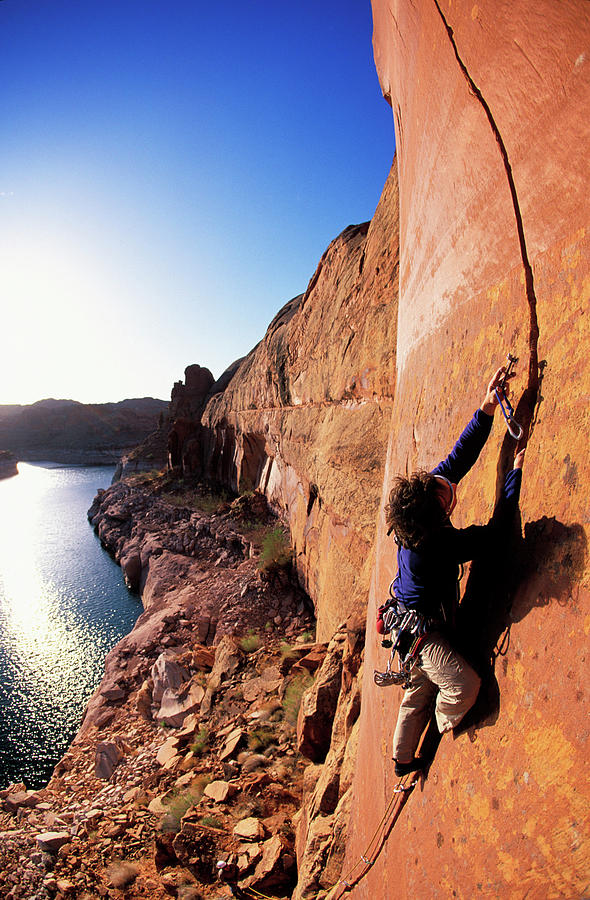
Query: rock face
(76, 433)
(186, 405)
(491, 105)
(489, 100)
(305, 417)
(8, 464)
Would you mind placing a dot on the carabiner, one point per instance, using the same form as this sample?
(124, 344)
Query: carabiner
(514, 429)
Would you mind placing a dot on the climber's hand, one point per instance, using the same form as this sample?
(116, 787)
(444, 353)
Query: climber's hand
(519, 459)
(491, 401)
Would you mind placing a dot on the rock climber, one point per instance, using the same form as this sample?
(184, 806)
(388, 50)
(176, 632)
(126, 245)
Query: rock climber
(430, 551)
(228, 873)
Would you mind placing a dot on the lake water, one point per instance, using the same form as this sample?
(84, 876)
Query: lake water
(63, 606)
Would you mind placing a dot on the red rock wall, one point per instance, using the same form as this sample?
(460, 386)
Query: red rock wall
(306, 416)
(492, 115)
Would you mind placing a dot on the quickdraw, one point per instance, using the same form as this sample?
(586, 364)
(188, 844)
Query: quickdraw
(408, 630)
(506, 407)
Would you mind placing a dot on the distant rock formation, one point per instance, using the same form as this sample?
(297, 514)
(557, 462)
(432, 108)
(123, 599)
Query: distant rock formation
(186, 406)
(305, 416)
(8, 464)
(78, 434)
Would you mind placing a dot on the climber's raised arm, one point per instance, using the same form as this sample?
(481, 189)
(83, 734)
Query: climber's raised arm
(470, 444)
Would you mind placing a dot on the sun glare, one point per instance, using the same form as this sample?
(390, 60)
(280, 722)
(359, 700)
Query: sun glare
(30, 610)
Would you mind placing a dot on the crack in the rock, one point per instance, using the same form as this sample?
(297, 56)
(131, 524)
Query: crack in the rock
(526, 405)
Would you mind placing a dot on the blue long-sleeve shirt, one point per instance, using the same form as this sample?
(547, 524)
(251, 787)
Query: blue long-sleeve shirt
(427, 578)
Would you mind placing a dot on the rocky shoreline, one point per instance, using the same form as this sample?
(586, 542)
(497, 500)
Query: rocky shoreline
(89, 457)
(220, 731)
(8, 464)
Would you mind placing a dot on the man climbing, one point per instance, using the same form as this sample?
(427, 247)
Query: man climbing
(430, 551)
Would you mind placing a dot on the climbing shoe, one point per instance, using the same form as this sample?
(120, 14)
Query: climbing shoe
(402, 769)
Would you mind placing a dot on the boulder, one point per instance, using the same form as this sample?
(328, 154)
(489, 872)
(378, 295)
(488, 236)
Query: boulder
(310, 662)
(19, 799)
(203, 658)
(143, 701)
(250, 829)
(318, 707)
(227, 661)
(177, 705)
(220, 791)
(168, 750)
(51, 841)
(231, 742)
(276, 870)
(257, 688)
(167, 674)
(108, 757)
(131, 567)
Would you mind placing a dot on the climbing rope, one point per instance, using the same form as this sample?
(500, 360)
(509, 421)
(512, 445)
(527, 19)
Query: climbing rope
(401, 792)
(367, 859)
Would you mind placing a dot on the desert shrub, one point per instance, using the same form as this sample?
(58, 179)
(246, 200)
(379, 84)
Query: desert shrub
(200, 742)
(251, 642)
(211, 822)
(207, 502)
(293, 695)
(211, 502)
(177, 807)
(287, 651)
(276, 552)
(261, 738)
(122, 874)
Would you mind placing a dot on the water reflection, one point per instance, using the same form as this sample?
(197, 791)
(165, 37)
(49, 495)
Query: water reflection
(63, 606)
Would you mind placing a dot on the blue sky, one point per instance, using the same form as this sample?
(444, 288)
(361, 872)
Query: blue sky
(170, 174)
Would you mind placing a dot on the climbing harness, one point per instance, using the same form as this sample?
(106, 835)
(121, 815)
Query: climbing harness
(408, 630)
(507, 411)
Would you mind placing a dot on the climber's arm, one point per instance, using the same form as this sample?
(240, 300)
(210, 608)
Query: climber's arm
(467, 449)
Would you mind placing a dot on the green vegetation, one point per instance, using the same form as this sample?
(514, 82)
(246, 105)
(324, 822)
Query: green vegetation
(179, 805)
(288, 651)
(200, 742)
(145, 477)
(207, 502)
(261, 738)
(293, 695)
(251, 642)
(211, 822)
(276, 552)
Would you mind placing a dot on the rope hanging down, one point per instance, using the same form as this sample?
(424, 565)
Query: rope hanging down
(401, 792)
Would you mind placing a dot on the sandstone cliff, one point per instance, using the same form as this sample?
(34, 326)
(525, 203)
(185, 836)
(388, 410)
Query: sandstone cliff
(306, 415)
(364, 376)
(491, 105)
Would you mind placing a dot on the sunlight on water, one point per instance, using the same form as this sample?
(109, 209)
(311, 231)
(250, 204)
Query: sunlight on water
(63, 605)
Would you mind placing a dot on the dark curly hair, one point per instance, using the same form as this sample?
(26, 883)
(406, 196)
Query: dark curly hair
(414, 509)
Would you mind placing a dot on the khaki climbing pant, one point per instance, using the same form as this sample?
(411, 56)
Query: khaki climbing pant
(442, 673)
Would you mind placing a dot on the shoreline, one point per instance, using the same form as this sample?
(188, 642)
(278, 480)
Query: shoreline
(8, 464)
(212, 658)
